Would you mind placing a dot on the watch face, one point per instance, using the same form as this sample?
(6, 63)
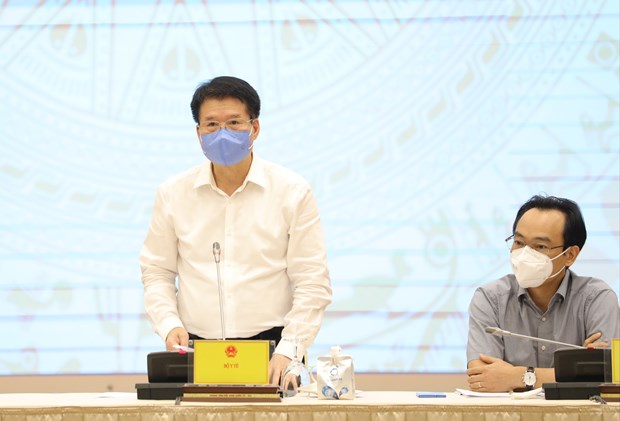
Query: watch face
(529, 378)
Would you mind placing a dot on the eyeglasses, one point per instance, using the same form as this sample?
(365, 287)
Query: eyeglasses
(515, 244)
(237, 124)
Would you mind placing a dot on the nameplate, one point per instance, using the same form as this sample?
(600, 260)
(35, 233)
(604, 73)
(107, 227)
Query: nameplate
(231, 362)
(615, 360)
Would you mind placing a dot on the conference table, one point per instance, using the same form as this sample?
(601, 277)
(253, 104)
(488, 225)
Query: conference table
(369, 405)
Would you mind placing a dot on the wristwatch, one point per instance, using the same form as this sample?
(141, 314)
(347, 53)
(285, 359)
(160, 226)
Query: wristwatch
(529, 378)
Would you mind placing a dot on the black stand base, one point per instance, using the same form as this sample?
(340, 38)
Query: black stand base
(571, 390)
(159, 391)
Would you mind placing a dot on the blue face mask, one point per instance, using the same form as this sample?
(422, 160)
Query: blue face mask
(226, 147)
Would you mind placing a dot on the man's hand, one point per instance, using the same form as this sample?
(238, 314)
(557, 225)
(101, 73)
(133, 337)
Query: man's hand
(494, 375)
(590, 342)
(177, 336)
(277, 364)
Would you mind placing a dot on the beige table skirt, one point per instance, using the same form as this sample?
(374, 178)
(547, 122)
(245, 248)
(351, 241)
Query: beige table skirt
(379, 406)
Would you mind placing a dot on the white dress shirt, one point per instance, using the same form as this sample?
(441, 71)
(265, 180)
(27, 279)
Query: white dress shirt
(273, 262)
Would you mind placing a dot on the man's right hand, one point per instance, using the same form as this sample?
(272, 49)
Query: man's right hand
(177, 336)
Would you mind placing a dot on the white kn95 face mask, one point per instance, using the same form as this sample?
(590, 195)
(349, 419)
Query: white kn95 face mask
(532, 268)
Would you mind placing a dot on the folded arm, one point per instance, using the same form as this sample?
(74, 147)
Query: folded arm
(490, 374)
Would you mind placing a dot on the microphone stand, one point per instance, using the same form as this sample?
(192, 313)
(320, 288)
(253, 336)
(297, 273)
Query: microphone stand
(499, 332)
(216, 256)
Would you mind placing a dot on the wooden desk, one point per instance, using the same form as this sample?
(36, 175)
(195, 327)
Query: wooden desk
(380, 406)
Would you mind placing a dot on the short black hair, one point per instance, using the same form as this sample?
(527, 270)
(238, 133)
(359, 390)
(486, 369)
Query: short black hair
(223, 87)
(574, 227)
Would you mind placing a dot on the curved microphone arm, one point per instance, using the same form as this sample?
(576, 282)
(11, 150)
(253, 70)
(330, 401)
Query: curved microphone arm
(499, 332)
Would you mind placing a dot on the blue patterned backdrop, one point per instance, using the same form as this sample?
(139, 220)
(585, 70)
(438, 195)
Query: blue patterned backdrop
(422, 126)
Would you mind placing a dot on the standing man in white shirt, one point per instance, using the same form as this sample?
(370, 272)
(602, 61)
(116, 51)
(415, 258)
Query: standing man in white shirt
(273, 266)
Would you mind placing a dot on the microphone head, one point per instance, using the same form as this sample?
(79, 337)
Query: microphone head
(216, 252)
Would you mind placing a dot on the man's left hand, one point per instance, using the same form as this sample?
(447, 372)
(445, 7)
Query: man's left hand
(495, 375)
(591, 341)
(277, 364)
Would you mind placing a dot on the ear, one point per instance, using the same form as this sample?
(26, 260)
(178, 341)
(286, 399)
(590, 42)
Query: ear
(255, 130)
(571, 255)
(198, 134)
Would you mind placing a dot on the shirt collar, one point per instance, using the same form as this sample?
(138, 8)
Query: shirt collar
(256, 175)
(563, 289)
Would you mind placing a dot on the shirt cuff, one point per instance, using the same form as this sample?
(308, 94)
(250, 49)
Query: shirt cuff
(287, 348)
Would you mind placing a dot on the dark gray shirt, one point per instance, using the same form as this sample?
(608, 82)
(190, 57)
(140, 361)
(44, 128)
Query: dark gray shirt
(581, 307)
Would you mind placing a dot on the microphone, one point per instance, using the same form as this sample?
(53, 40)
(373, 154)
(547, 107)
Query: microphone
(217, 251)
(496, 331)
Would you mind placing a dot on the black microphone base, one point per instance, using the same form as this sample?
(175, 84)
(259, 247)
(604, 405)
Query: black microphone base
(159, 391)
(571, 390)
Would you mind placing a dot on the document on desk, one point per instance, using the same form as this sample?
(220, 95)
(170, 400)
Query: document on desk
(466, 392)
(532, 394)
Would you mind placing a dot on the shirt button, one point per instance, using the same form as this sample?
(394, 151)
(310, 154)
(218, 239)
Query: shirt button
(543, 347)
(543, 319)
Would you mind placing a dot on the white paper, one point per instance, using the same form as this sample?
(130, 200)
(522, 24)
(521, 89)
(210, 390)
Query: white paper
(471, 393)
(531, 394)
